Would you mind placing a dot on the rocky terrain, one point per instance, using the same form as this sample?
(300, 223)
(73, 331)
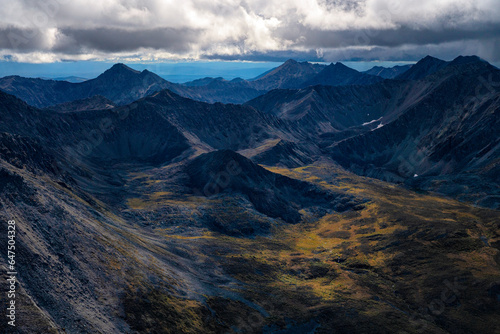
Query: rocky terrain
(308, 209)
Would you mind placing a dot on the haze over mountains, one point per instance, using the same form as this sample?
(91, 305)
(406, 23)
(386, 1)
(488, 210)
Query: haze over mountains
(121, 84)
(312, 198)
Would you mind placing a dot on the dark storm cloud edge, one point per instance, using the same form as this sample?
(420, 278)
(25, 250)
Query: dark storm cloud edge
(74, 41)
(388, 37)
(385, 44)
(18, 39)
(117, 40)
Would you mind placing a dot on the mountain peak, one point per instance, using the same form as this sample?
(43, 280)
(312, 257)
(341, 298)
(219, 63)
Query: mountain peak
(290, 62)
(460, 60)
(429, 58)
(339, 74)
(339, 64)
(120, 67)
(290, 74)
(424, 67)
(338, 67)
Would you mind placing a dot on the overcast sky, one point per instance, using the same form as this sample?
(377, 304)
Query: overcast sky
(264, 30)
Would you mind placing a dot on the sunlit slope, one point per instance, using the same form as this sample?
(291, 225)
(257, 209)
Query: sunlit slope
(405, 262)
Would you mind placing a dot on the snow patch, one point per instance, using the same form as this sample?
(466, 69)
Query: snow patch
(370, 122)
(378, 127)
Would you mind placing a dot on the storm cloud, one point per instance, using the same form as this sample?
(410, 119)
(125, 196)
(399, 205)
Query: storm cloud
(322, 30)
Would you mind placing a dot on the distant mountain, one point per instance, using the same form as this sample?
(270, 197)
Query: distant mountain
(290, 74)
(340, 75)
(213, 90)
(38, 92)
(423, 68)
(203, 81)
(71, 79)
(388, 73)
(122, 84)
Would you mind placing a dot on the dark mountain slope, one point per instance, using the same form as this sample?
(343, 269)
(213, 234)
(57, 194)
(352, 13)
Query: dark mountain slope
(326, 109)
(340, 75)
(154, 129)
(17, 117)
(388, 73)
(125, 135)
(275, 195)
(290, 74)
(217, 126)
(452, 130)
(423, 68)
(219, 90)
(28, 153)
(441, 128)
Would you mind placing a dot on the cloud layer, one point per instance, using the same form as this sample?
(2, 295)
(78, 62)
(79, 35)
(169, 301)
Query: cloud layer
(328, 30)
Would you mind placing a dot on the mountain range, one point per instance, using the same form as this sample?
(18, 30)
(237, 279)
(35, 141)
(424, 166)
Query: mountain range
(122, 84)
(318, 200)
